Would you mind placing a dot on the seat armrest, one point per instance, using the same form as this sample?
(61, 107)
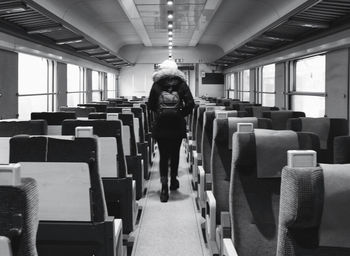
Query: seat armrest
(201, 184)
(118, 236)
(195, 167)
(210, 215)
(5, 246)
(225, 224)
(228, 248)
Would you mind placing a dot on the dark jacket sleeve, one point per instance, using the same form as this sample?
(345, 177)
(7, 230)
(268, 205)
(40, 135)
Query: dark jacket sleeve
(153, 98)
(188, 100)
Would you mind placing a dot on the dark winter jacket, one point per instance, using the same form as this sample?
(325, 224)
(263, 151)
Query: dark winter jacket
(175, 127)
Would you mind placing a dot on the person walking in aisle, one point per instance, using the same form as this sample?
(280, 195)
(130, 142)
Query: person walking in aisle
(171, 100)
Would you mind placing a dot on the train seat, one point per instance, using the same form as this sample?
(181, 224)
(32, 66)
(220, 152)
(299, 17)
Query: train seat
(326, 128)
(102, 128)
(206, 147)
(99, 107)
(257, 111)
(314, 211)
(216, 200)
(140, 133)
(129, 145)
(119, 191)
(79, 111)
(257, 161)
(30, 127)
(69, 162)
(54, 120)
(197, 153)
(19, 206)
(280, 118)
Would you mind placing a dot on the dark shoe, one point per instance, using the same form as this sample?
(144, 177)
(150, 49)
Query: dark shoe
(174, 184)
(164, 193)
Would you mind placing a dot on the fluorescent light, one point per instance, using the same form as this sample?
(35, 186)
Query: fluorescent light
(170, 32)
(42, 30)
(170, 43)
(170, 2)
(170, 47)
(70, 41)
(13, 7)
(98, 54)
(88, 48)
(170, 39)
(170, 15)
(170, 24)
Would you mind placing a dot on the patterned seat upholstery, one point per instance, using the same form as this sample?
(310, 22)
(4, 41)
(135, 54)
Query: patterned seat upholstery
(220, 162)
(326, 128)
(280, 118)
(19, 216)
(302, 210)
(32, 127)
(254, 198)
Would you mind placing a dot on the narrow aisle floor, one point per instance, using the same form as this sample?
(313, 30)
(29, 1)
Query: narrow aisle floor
(171, 228)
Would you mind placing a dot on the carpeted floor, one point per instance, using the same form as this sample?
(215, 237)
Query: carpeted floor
(171, 228)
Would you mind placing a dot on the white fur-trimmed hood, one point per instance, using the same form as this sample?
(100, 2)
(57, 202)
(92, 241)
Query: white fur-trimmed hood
(159, 74)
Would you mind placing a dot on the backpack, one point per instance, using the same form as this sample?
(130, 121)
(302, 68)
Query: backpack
(169, 103)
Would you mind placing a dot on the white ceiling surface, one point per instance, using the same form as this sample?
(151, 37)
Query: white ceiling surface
(237, 20)
(233, 23)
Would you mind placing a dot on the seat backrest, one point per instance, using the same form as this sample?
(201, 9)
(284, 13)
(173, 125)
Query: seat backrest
(99, 107)
(280, 118)
(326, 128)
(107, 156)
(79, 111)
(257, 161)
(102, 128)
(30, 127)
(97, 115)
(220, 159)
(257, 111)
(54, 120)
(138, 113)
(128, 120)
(57, 183)
(342, 150)
(314, 211)
(207, 135)
(199, 125)
(78, 150)
(19, 206)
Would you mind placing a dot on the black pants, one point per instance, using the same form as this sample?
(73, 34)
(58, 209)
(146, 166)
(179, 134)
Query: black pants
(169, 149)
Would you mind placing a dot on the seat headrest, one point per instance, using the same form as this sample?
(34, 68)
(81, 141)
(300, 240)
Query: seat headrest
(335, 222)
(273, 143)
(10, 175)
(232, 126)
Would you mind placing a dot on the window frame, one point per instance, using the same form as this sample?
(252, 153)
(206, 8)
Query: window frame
(259, 85)
(293, 83)
(51, 85)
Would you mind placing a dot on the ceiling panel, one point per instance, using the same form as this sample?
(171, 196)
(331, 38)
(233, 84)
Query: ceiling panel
(187, 13)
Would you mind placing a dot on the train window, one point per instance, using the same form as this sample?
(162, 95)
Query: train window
(111, 90)
(36, 86)
(308, 92)
(231, 86)
(244, 85)
(75, 85)
(96, 86)
(267, 88)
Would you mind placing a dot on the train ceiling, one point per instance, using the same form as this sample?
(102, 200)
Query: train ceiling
(314, 18)
(29, 21)
(244, 29)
